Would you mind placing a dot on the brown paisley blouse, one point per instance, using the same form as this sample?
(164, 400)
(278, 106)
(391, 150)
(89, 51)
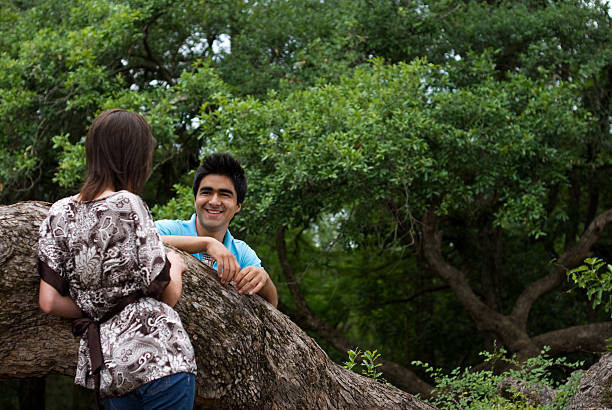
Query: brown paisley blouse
(98, 252)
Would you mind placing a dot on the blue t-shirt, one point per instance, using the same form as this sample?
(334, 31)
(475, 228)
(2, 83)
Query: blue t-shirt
(243, 252)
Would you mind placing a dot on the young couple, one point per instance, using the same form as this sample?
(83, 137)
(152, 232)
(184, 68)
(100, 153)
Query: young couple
(102, 263)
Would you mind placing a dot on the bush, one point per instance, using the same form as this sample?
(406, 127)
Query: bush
(467, 389)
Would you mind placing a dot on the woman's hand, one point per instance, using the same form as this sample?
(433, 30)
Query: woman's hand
(177, 262)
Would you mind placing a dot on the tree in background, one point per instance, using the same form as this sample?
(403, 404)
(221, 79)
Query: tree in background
(449, 187)
(413, 206)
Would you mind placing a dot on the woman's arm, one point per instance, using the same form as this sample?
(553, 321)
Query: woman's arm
(173, 291)
(51, 301)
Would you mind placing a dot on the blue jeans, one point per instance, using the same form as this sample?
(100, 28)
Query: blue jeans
(176, 391)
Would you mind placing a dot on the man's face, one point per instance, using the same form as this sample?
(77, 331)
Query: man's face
(216, 203)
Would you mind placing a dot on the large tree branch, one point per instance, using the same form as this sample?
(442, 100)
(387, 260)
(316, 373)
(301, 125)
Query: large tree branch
(453, 277)
(585, 338)
(485, 318)
(511, 330)
(594, 389)
(249, 355)
(569, 259)
(401, 376)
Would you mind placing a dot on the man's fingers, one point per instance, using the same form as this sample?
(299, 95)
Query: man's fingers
(243, 281)
(257, 288)
(220, 269)
(233, 269)
(227, 269)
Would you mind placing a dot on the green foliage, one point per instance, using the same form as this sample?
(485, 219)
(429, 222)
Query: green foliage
(179, 207)
(99, 54)
(467, 389)
(368, 364)
(595, 276)
(408, 137)
(71, 168)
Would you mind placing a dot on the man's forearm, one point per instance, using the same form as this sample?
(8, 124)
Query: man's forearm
(268, 292)
(190, 244)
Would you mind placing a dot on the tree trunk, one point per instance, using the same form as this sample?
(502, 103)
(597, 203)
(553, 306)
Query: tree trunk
(595, 389)
(248, 353)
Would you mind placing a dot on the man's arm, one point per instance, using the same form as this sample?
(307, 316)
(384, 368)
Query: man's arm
(251, 279)
(191, 244)
(227, 265)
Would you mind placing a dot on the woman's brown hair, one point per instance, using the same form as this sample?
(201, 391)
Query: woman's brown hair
(118, 150)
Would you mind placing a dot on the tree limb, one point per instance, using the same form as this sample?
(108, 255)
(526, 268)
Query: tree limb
(485, 318)
(595, 388)
(569, 259)
(249, 354)
(585, 338)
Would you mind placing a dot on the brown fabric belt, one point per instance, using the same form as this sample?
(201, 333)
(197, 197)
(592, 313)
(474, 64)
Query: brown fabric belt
(79, 326)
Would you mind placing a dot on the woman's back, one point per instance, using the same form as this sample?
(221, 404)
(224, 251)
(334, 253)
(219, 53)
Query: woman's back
(99, 252)
(101, 248)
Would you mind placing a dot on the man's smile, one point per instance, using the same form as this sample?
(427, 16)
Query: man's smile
(215, 204)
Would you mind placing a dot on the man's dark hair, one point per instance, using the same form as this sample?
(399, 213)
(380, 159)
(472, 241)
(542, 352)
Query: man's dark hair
(222, 164)
(118, 151)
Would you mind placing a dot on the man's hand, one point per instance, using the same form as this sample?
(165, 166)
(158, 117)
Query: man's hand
(252, 280)
(227, 265)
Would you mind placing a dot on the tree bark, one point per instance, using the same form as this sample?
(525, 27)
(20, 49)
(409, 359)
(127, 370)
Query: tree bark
(595, 388)
(249, 354)
(537, 395)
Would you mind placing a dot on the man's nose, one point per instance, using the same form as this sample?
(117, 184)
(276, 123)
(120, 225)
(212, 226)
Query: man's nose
(215, 199)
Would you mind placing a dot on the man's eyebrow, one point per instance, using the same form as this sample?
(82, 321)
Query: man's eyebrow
(222, 190)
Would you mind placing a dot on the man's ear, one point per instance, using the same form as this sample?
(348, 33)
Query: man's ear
(239, 207)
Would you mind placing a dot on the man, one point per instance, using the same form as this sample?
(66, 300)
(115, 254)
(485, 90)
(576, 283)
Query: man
(219, 188)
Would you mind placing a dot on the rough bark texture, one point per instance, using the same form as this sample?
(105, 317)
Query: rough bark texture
(249, 354)
(595, 389)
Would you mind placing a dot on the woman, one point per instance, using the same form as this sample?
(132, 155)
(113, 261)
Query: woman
(102, 263)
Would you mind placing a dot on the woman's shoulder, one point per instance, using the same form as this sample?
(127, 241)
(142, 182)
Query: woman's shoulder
(125, 197)
(127, 201)
(61, 204)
